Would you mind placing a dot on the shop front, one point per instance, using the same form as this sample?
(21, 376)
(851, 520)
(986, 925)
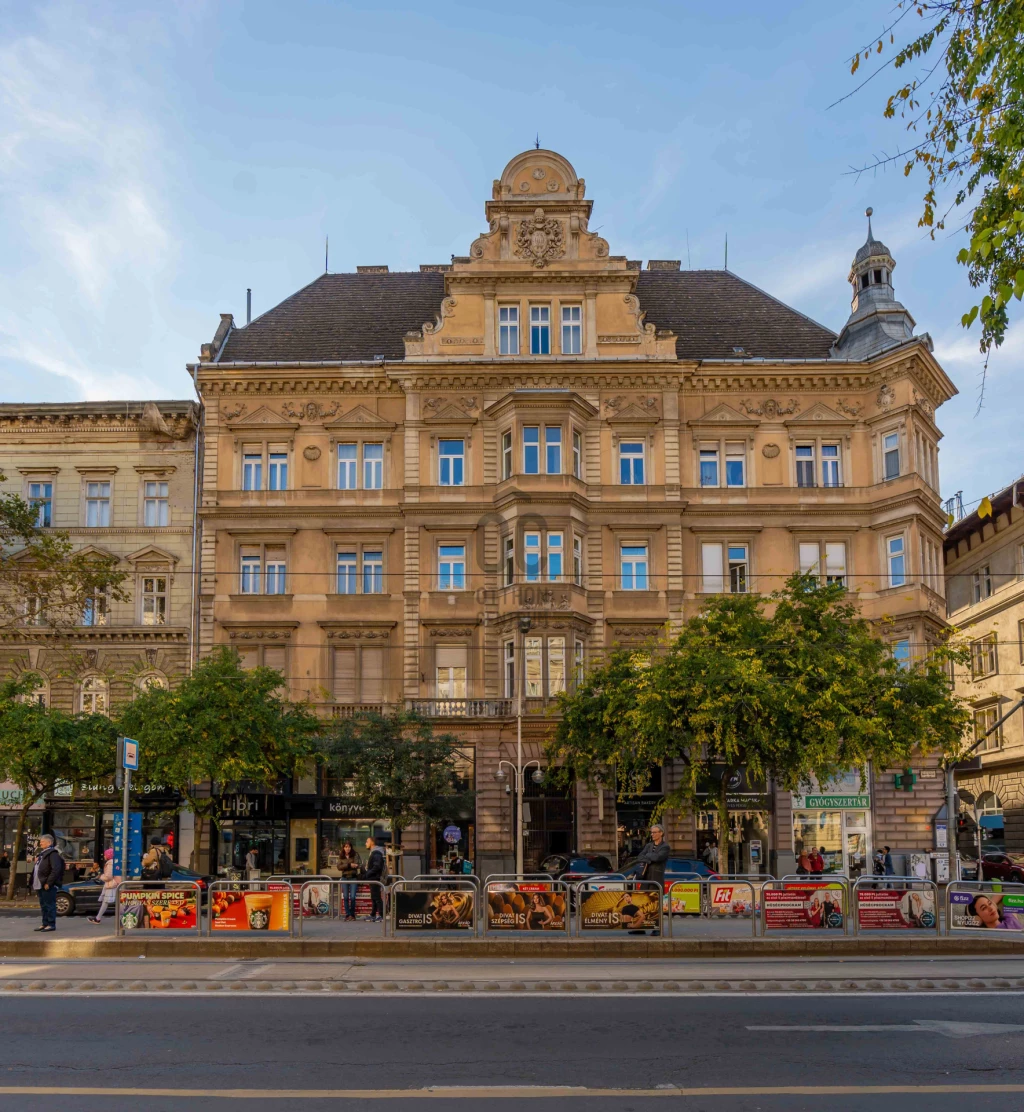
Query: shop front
(749, 806)
(835, 820)
(11, 797)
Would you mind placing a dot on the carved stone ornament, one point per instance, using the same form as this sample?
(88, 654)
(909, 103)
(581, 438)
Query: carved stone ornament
(648, 403)
(540, 239)
(466, 403)
(453, 631)
(770, 451)
(770, 408)
(357, 635)
(543, 598)
(924, 403)
(311, 453)
(233, 412)
(850, 410)
(308, 411)
(886, 396)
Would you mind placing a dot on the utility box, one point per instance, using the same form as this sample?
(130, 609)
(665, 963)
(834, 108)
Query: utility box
(940, 868)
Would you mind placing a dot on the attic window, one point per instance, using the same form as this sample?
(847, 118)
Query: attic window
(878, 277)
(863, 281)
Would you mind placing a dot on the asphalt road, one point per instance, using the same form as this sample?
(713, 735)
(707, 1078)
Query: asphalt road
(805, 1053)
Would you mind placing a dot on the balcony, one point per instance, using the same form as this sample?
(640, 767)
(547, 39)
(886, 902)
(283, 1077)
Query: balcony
(461, 708)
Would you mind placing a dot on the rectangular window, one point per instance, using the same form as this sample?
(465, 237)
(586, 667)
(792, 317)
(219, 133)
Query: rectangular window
(154, 600)
(97, 504)
(901, 652)
(40, 498)
(510, 561)
(371, 678)
(835, 563)
(830, 474)
(735, 464)
(540, 330)
(555, 557)
(277, 471)
(95, 612)
(373, 466)
(373, 572)
(982, 583)
(579, 666)
(531, 450)
(712, 571)
(577, 455)
(347, 564)
(533, 652)
(508, 330)
(531, 562)
(631, 463)
(633, 567)
(577, 561)
(984, 656)
(347, 466)
(556, 665)
(572, 329)
(451, 672)
(891, 455)
(451, 462)
(251, 577)
(506, 454)
(345, 675)
(252, 470)
(810, 558)
(510, 670)
(984, 720)
(553, 449)
(738, 569)
(805, 465)
(709, 467)
(897, 561)
(451, 567)
(1020, 639)
(155, 504)
(274, 561)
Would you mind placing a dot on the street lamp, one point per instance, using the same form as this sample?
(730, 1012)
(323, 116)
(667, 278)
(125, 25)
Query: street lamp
(518, 770)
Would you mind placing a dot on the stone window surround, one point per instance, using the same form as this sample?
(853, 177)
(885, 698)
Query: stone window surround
(358, 540)
(271, 439)
(724, 535)
(524, 302)
(264, 538)
(361, 437)
(98, 473)
(153, 473)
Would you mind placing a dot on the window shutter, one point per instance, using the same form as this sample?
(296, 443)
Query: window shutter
(809, 556)
(345, 675)
(711, 562)
(274, 656)
(249, 658)
(373, 675)
(451, 656)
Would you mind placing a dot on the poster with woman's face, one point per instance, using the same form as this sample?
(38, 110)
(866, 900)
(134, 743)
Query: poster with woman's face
(617, 910)
(525, 907)
(987, 910)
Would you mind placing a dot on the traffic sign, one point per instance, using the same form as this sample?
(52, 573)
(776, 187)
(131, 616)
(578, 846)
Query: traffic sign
(131, 754)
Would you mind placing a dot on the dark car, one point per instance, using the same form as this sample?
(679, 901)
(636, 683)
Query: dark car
(1003, 866)
(678, 868)
(83, 896)
(571, 867)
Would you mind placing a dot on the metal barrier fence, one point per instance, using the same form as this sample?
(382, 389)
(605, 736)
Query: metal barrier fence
(799, 902)
(174, 905)
(445, 876)
(323, 900)
(707, 889)
(911, 903)
(261, 907)
(516, 876)
(622, 905)
(973, 905)
(525, 903)
(436, 903)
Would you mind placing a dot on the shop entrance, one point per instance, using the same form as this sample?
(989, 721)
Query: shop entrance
(547, 823)
(843, 838)
(748, 841)
(236, 837)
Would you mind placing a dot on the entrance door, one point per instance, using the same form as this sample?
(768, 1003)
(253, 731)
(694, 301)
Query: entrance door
(857, 842)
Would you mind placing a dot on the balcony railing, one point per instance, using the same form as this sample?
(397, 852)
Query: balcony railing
(462, 708)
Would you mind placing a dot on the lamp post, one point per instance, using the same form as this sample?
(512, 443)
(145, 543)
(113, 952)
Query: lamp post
(518, 769)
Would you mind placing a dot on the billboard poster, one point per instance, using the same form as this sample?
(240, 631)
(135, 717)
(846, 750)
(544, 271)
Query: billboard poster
(803, 907)
(895, 909)
(433, 911)
(251, 911)
(684, 898)
(313, 899)
(165, 908)
(526, 906)
(987, 911)
(618, 910)
(734, 899)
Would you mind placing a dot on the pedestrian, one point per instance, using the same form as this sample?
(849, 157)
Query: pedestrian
(803, 863)
(878, 863)
(650, 862)
(5, 870)
(817, 861)
(110, 883)
(156, 864)
(349, 863)
(47, 877)
(252, 864)
(375, 868)
(887, 861)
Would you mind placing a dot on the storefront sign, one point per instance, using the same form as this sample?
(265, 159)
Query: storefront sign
(167, 908)
(734, 899)
(452, 835)
(987, 910)
(525, 907)
(684, 898)
(433, 911)
(618, 910)
(12, 796)
(895, 909)
(242, 910)
(803, 907)
(844, 793)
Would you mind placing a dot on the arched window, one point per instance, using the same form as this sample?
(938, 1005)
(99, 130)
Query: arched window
(94, 695)
(150, 680)
(39, 694)
(989, 804)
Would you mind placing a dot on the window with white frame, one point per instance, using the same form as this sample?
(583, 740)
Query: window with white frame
(825, 560)
(831, 473)
(895, 548)
(263, 569)
(735, 463)
(373, 571)
(451, 567)
(360, 570)
(577, 454)
(277, 470)
(709, 465)
(156, 506)
(450, 671)
(804, 465)
(348, 466)
(275, 563)
(451, 462)
(631, 462)
(633, 567)
(33, 609)
(372, 472)
(984, 721)
(901, 652)
(265, 467)
(252, 469)
(556, 556)
(739, 568)
(506, 454)
(531, 449)
(531, 557)
(348, 572)
(711, 455)
(540, 330)
(510, 670)
(579, 662)
(725, 567)
(553, 449)
(509, 560)
(533, 667)
(508, 330)
(39, 696)
(96, 611)
(981, 583)
(891, 455)
(985, 656)
(556, 665)
(572, 329)
(94, 695)
(154, 599)
(97, 504)
(577, 561)
(40, 498)
(373, 466)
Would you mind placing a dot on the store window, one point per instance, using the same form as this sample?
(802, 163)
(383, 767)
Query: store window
(267, 837)
(75, 834)
(835, 820)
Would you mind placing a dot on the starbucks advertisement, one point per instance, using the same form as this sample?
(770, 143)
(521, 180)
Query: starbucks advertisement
(433, 911)
(525, 907)
(979, 911)
(242, 910)
(895, 909)
(157, 908)
(803, 907)
(617, 910)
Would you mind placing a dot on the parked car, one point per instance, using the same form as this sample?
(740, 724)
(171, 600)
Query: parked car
(1002, 866)
(83, 896)
(678, 868)
(571, 867)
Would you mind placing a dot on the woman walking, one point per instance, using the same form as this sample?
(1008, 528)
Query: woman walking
(350, 864)
(110, 883)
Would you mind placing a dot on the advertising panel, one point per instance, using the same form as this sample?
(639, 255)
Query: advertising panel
(313, 899)
(166, 908)
(728, 898)
(252, 911)
(803, 907)
(618, 910)
(433, 911)
(530, 906)
(895, 909)
(684, 896)
(987, 911)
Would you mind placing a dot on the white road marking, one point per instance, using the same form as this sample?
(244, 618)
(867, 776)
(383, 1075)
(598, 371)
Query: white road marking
(952, 1029)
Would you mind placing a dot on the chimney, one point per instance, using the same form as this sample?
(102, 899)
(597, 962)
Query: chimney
(248, 306)
(663, 264)
(371, 270)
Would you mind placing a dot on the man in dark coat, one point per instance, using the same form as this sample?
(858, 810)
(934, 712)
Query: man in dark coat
(376, 867)
(650, 863)
(47, 877)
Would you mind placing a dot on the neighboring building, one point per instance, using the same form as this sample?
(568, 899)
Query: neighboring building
(119, 478)
(984, 561)
(423, 487)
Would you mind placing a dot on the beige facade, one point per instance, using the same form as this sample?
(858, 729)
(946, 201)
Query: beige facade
(984, 565)
(400, 470)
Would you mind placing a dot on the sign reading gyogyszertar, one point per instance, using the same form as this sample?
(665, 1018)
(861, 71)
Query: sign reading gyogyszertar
(831, 802)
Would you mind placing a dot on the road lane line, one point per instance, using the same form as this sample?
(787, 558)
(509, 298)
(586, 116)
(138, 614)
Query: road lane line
(953, 1029)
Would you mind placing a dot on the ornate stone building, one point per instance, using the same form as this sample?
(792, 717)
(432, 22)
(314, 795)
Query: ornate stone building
(424, 487)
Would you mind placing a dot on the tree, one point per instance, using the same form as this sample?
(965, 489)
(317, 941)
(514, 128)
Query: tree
(42, 748)
(396, 767)
(788, 687)
(221, 725)
(970, 124)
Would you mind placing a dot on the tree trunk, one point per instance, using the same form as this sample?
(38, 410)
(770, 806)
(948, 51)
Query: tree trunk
(19, 837)
(723, 823)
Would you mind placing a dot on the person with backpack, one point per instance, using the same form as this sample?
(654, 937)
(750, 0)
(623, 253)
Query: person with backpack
(156, 863)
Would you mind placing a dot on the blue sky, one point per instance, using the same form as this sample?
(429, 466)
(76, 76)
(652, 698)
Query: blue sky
(157, 159)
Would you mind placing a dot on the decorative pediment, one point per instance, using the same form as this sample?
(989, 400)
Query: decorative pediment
(450, 415)
(262, 419)
(152, 554)
(360, 418)
(96, 550)
(724, 415)
(633, 415)
(819, 414)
